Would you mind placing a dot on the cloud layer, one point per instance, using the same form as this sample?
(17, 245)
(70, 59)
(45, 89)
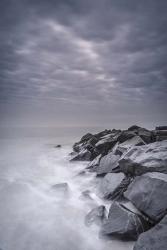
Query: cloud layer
(83, 62)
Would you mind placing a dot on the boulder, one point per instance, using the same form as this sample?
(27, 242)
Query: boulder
(125, 135)
(86, 137)
(123, 223)
(145, 135)
(61, 188)
(146, 192)
(84, 155)
(133, 128)
(155, 238)
(134, 141)
(93, 164)
(107, 164)
(58, 146)
(97, 215)
(161, 128)
(86, 195)
(105, 144)
(103, 133)
(109, 185)
(147, 158)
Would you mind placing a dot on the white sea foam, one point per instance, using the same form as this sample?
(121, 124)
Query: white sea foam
(32, 215)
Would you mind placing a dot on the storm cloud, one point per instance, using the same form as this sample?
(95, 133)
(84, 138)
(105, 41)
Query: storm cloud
(72, 63)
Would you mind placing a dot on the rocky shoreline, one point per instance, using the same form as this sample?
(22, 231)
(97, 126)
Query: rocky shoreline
(132, 167)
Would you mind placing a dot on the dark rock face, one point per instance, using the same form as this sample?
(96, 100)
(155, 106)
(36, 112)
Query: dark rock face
(96, 215)
(123, 223)
(93, 164)
(107, 164)
(84, 155)
(109, 186)
(58, 146)
(133, 128)
(125, 135)
(161, 128)
(147, 158)
(86, 137)
(147, 193)
(155, 238)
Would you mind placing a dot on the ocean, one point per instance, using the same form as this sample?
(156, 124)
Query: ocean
(33, 216)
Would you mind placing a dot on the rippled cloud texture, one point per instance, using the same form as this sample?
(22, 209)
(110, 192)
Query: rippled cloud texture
(82, 62)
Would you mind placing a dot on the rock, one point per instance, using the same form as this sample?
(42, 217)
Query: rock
(103, 133)
(147, 158)
(160, 135)
(161, 128)
(97, 215)
(134, 141)
(107, 164)
(146, 192)
(61, 188)
(93, 164)
(58, 146)
(109, 185)
(105, 144)
(86, 137)
(125, 135)
(86, 195)
(133, 128)
(155, 238)
(123, 223)
(145, 135)
(84, 155)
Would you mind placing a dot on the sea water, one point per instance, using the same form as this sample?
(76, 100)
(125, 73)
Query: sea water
(33, 216)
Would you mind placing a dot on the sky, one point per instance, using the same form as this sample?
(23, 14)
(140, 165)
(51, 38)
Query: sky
(83, 63)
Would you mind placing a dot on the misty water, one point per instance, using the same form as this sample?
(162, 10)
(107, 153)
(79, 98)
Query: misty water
(33, 216)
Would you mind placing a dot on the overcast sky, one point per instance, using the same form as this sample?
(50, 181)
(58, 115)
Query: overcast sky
(83, 62)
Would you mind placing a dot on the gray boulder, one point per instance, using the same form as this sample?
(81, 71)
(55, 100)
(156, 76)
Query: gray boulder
(155, 238)
(61, 188)
(93, 164)
(84, 155)
(125, 135)
(97, 215)
(147, 158)
(125, 146)
(161, 128)
(147, 193)
(123, 223)
(107, 164)
(109, 185)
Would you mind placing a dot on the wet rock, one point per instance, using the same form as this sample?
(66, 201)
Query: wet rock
(93, 164)
(86, 195)
(161, 128)
(97, 215)
(109, 186)
(86, 137)
(123, 223)
(160, 135)
(146, 192)
(105, 144)
(107, 164)
(134, 141)
(125, 135)
(155, 238)
(147, 158)
(84, 155)
(58, 146)
(133, 128)
(61, 188)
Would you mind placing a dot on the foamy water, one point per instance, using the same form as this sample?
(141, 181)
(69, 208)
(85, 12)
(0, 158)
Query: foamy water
(32, 215)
